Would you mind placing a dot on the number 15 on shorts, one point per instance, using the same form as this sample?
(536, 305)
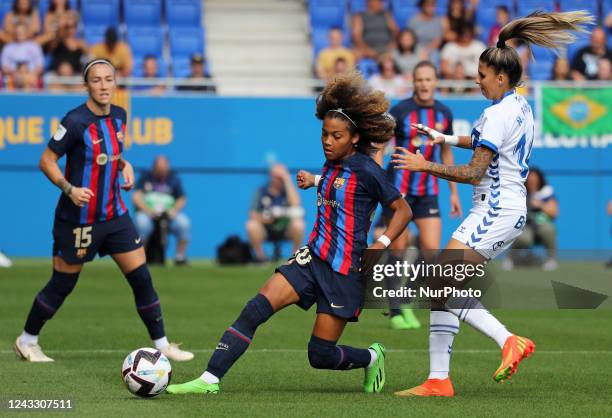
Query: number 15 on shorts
(82, 237)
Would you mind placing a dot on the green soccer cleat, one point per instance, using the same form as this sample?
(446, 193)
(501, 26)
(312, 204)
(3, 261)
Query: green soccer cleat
(374, 379)
(398, 322)
(194, 386)
(411, 318)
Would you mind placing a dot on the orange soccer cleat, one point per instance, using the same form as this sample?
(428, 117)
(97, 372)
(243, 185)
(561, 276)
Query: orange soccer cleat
(431, 387)
(515, 350)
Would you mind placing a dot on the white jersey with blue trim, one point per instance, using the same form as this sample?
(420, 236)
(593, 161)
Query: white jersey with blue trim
(507, 128)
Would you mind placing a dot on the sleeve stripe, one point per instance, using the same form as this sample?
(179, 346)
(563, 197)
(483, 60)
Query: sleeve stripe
(488, 144)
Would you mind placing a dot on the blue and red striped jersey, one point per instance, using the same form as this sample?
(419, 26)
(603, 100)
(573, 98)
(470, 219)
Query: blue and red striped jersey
(93, 145)
(438, 117)
(347, 196)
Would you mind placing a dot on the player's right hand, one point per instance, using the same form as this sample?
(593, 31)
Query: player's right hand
(80, 196)
(305, 179)
(436, 137)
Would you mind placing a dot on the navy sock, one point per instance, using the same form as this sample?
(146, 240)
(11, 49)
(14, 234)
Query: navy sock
(147, 302)
(324, 354)
(49, 300)
(237, 338)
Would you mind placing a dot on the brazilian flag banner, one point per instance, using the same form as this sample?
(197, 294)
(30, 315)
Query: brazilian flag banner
(576, 112)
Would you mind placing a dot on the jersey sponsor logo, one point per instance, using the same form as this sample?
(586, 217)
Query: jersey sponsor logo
(417, 141)
(339, 183)
(103, 159)
(97, 141)
(325, 202)
(438, 126)
(59, 134)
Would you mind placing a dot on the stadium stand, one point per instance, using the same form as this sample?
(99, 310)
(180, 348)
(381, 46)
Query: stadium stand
(146, 13)
(181, 13)
(100, 12)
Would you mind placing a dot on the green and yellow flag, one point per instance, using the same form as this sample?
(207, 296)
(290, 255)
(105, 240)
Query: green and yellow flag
(575, 112)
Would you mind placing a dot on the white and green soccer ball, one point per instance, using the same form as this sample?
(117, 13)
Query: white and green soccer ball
(146, 372)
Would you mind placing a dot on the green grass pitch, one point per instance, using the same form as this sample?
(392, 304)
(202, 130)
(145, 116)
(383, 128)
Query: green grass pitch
(569, 375)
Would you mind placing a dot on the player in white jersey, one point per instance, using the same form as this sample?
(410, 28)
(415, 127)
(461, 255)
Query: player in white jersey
(501, 140)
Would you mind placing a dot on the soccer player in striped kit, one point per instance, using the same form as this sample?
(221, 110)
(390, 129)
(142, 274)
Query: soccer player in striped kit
(91, 217)
(421, 189)
(502, 141)
(328, 270)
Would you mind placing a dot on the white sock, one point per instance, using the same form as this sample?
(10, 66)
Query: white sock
(28, 339)
(483, 321)
(209, 378)
(373, 357)
(443, 326)
(161, 343)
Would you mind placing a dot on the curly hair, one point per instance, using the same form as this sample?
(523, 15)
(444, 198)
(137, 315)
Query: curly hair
(366, 110)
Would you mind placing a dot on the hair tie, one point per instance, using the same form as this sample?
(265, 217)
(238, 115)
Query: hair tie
(500, 44)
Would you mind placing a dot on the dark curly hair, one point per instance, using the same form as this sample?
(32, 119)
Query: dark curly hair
(366, 107)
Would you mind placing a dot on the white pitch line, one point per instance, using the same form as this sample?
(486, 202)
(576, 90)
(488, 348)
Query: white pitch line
(292, 350)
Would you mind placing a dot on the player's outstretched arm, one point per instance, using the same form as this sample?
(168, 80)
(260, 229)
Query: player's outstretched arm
(128, 174)
(48, 165)
(440, 138)
(470, 173)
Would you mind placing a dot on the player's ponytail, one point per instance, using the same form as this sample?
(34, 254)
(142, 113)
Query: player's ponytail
(349, 97)
(550, 30)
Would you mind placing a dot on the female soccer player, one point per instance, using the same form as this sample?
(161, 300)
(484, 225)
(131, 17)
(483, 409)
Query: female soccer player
(327, 270)
(91, 217)
(420, 189)
(502, 140)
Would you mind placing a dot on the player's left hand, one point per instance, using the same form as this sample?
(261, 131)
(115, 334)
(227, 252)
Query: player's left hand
(455, 203)
(406, 160)
(128, 176)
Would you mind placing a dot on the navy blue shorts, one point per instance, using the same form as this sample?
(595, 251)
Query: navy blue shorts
(315, 282)
(422, 207)
(77, 244)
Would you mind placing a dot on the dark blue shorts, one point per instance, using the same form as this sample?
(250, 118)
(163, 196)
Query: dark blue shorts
(77, 244)
(315, 282)
(422, 207)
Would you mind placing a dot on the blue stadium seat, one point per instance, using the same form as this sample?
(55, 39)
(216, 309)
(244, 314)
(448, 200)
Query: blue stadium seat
(358, 6)
(485, 19)
(442, 7)
(146, 40)
(542, 54)
(142, 12)
(540, 70)
(327, 13)
(368, 67)
(181, 66)
(588, 5)
(184, 12)
(186, 41)
(526, 7)
(572, 49)
(94, 34)
(162, 66)
(5, 7)
(403, 10)
(100, 12)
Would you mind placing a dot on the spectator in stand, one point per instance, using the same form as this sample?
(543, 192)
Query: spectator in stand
(457, 16)
(198, 72)
(116, 51)
(22, 12)
(341, 66)
(389, 80)
(466, 50)
(158, 193)
(428, 28)
(23, 53)
(56, 18)
(64, 69)
(67, 47)
(407, 55)
(374, 31)
(276, 213)
(23, 79)
(604, 70)
(329, 56)
(542, 209)
(502, 17)
(585, 64)
(150, 71)
(560, 70)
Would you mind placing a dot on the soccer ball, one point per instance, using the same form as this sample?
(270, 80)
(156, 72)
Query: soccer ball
(146, 372)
